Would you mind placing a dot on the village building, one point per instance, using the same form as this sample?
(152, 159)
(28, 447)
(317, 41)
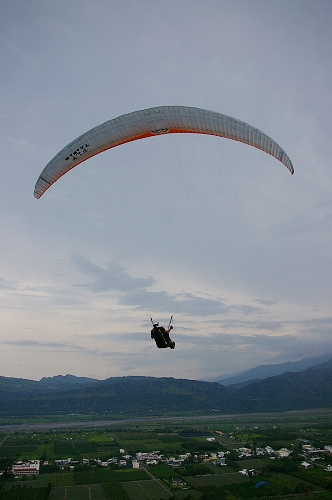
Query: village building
(66, 462)
(30, 468)
(283, 453)
(244, 452)
(265, 451)
(307, 448)
(177, 482)
(152, 462)
(248, 472)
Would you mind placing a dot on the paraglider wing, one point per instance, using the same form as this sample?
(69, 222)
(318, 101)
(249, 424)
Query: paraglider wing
(261, 483)
(151, 122)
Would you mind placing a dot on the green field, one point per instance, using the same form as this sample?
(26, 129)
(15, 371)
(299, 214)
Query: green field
(145, 490)
(115, 491)
(63, 479)
(25, 494)
(53, 446)
(203, 479)
(216, 480)
(83, 492)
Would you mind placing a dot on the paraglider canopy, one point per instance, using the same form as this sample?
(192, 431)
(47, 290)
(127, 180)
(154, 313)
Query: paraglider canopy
(150, 123)
(258, 485)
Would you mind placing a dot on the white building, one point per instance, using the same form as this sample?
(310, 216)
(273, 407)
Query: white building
(283, 452)
(30, 468)
(152, 462)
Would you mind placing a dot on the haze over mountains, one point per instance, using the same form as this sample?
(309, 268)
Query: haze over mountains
(264, 371)
(298, 390)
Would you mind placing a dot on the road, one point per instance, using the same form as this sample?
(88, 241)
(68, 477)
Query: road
(4, 439)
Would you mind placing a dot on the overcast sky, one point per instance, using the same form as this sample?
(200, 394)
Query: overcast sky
(212, 231)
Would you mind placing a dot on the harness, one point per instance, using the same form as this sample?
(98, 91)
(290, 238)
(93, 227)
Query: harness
(157, 333)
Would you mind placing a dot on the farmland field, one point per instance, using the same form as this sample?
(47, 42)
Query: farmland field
(64, 479)
(162, 472)
(105, 475)
(25, 494)
(81, 492)
(183, 494)
(216, 479)
(41, 481)
(92, 481)
(114, 491)
(145, 490)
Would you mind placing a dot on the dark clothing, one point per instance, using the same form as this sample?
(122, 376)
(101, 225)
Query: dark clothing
(161, 337)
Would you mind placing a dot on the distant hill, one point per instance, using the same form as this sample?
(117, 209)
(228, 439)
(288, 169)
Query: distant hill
(141, 396)
(16, 387)
(130, 395)
(65, 382)
(310, 388)
(12, 388)
(264, 371)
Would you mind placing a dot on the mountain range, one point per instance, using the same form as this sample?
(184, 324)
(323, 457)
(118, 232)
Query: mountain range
(141, 396)
(264, 371)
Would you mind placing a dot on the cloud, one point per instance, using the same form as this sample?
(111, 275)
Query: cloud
(187, 303)
(136, 291)
(247, 310)
(114, 277)
(66, 347)
(318, 326)
(236, 339)
(250, 325)
(265, 302)
(39, 344)
(196, 305)
(7, 284)
(127, 368)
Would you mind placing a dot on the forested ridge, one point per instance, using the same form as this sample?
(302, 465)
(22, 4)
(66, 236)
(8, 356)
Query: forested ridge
(310, 388)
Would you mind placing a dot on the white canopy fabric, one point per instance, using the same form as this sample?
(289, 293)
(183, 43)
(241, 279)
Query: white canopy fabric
(151, 122)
